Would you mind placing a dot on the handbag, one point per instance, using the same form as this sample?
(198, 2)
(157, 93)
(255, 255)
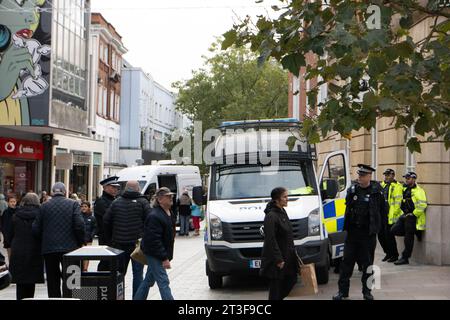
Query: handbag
(398, 229)
(138, 255)
(308, 285)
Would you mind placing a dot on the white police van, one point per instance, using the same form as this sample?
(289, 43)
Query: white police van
(240, 182)
(178, 178)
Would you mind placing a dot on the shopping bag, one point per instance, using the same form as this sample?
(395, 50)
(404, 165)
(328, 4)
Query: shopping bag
(138, 255)
(398, 229)
(307, 284)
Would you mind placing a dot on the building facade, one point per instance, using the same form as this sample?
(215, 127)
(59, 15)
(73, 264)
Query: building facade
(38, 110)
(385, 147)
(149, 104)
(106, 54)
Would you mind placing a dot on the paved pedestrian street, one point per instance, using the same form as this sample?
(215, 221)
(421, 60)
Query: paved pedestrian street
(189, 281)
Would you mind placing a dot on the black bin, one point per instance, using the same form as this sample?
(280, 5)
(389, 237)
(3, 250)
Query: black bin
(101, 285)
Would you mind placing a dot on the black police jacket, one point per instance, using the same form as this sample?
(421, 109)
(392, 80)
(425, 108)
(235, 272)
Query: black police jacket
(101, 205)
(377, 206)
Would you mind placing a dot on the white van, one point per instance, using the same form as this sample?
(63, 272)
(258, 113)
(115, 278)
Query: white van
(238, 194)
(177, 178)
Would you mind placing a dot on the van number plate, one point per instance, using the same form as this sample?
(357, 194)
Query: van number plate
(255, 264)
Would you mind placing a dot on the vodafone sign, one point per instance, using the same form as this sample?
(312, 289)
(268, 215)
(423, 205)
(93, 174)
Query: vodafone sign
(21, 149)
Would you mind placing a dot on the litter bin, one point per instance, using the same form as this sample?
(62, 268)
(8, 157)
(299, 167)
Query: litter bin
(101, 285)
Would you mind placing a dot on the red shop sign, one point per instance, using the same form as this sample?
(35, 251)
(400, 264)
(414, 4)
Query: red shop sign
(21, 149)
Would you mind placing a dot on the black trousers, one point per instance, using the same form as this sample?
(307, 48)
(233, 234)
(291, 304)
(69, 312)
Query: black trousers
(126, 257)
(358, 248)
(391, 243)
(103, 265)
(53, 267)
(280, 288)
(25, 290)
(410, 231)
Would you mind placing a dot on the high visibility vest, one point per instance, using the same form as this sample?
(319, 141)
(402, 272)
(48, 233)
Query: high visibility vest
(302, 191)
(419, 199)
(394, 201)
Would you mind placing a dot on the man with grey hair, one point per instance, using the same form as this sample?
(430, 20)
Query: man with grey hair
(124, 225)
(60, 226)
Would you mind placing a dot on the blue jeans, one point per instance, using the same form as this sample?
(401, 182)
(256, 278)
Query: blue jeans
(155, 273)
(184, 224)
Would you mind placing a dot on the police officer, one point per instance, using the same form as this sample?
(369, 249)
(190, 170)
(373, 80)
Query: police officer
(110, 191)
(393, 194)
(413, 206)
(364, 204)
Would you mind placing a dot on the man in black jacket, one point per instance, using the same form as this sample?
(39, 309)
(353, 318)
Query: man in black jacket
(157, 244)
(364, 207)
(101, 205)
(124, 226)
(60, 227)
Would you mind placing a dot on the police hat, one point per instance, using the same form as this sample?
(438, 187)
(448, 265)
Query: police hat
(110, 181)
(389, 171)
(410, 174)
(364, 169)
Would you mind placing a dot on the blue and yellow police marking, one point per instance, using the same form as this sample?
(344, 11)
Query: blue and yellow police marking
(333, 215)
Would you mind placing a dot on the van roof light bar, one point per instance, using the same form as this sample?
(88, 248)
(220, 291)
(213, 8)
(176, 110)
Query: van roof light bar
(282, 122)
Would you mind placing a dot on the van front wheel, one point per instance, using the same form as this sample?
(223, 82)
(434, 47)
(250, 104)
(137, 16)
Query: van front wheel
(215, 281)
(322, 273)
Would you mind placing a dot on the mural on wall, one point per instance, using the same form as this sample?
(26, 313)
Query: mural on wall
(25, 36)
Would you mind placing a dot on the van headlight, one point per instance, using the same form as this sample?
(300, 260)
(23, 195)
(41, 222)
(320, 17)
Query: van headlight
(216, 227)
(314, 223)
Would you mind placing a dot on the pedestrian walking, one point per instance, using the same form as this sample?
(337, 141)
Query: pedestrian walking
(124, 226)
(90, 228)
(7, 217)
(279, 260)
(393, 194)
(60, 227)
(184, 211)
(157, 244)
(414, 204)
(3, 204)
(110, 191)
(26, 265)
(364, 207)
(196, 212)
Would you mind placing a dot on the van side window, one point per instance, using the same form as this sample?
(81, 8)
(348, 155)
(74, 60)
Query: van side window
(150, 192)
(335, 170)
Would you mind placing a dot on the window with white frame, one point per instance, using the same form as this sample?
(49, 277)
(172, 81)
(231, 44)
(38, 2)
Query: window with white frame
(410, 162)
(374, 134)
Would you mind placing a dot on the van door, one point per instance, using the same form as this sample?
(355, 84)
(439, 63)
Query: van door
(335, 171)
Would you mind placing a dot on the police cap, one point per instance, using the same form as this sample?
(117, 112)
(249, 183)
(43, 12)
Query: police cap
(364, 169)
(410, 174)
(389, 171)
(110, 181)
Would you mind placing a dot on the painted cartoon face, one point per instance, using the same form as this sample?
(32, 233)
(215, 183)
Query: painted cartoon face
(23, 17)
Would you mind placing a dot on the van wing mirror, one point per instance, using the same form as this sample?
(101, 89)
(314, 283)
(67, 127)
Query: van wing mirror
(197, 195)
(329, 189)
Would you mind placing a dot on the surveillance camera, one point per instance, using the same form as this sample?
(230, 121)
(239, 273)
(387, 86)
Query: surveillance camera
(92, 130)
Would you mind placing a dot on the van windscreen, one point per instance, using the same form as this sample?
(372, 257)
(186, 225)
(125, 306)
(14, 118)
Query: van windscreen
(257, 181)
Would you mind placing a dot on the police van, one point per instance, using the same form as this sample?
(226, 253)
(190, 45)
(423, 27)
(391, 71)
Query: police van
(165, 173)
(250, 159)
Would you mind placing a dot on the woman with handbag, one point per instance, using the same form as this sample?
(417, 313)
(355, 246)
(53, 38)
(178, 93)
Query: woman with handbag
(279, 260)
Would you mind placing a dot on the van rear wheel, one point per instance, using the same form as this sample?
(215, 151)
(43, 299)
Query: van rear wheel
(215, 281)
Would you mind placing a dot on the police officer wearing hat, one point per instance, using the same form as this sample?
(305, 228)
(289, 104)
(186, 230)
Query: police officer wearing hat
(110, 191)
(393, 194)
(414, 204)
(364, 205)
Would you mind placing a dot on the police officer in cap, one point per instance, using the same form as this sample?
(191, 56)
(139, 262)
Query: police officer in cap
(364, 205)
(110, 191)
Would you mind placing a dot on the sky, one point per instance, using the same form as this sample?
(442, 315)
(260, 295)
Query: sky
(167, 38)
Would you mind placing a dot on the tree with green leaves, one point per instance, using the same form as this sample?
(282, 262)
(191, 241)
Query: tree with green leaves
(399, 77)
(231, 86)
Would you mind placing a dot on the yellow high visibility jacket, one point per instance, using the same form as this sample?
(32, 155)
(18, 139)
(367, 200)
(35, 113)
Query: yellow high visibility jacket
(419, 199)
(394, 201)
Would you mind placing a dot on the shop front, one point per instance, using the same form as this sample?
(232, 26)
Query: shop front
(20, 163)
